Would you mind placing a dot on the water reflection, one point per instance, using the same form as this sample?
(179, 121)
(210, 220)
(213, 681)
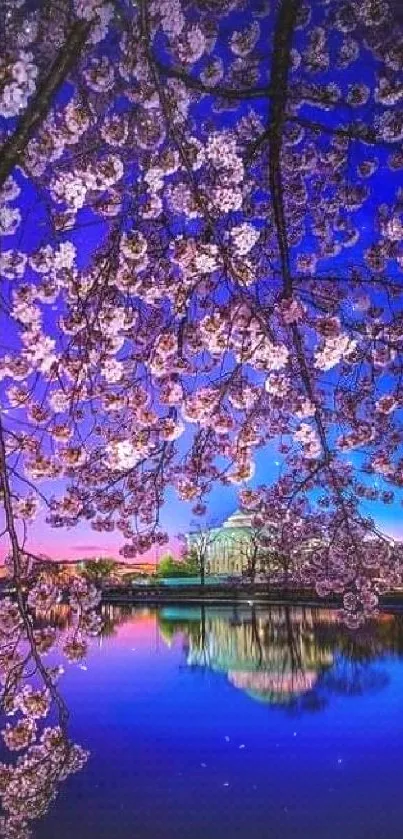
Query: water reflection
(295, 657)
(156, 669)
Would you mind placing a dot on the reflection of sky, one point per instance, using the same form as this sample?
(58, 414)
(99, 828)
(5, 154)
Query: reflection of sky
(166, 760)
(176, 516)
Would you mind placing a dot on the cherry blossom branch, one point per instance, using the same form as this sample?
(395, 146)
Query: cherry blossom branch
(17, 575)
(279, 77)
(198, 196)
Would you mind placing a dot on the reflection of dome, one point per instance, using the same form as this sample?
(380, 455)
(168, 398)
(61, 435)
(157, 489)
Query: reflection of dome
(287, 656)
(274, 687)
(259, 656)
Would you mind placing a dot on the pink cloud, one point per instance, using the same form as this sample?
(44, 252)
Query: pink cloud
(89, 547)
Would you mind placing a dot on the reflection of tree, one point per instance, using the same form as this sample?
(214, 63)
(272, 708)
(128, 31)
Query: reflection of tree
(296, 657)
(59, 616)
(113, 615)
(353, 678)
(369, 642)
(356, 669)
(193, 631)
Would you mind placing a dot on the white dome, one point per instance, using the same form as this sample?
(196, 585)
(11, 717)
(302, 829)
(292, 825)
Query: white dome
(238, 519)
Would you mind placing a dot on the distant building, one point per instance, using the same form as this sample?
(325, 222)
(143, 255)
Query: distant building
(229, 548)
(119, 572)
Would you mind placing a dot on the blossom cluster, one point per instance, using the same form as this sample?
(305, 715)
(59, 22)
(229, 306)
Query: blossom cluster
(20, 73)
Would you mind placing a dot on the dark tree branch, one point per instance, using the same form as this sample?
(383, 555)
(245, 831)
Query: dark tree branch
(352, 132)
(224, 92)
(283, 36)
(13, 149)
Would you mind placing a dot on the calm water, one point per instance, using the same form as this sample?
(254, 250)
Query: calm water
(254, 724)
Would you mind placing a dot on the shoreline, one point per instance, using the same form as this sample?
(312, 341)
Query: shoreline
(209, 595)
(212, 596)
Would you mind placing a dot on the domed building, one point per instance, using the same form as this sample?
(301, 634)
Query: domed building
(229, 548)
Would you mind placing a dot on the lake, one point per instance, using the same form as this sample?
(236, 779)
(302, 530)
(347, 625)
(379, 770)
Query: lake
(244, 722)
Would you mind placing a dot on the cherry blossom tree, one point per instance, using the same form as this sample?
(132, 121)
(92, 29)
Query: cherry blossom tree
(235, 166)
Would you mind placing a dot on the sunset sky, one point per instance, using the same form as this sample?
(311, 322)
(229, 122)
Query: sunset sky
(82, 541)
